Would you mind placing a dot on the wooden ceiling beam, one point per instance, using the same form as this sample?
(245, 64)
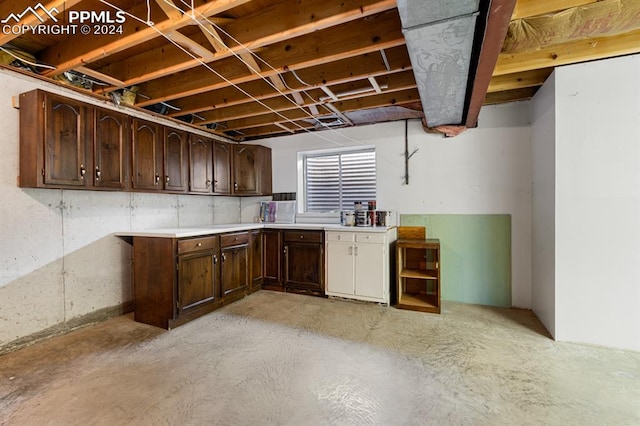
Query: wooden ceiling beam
(497, 24)
(318, 48)
(98, 75)
(192, 46)
(519, 80)
(529, 8)
(569, 53)
(275, 130)
(376, 101)
(17, 6)
(342, 71)
(253, 32)
(510, 95)
(75, 51)
(169, 9)
(252, 118)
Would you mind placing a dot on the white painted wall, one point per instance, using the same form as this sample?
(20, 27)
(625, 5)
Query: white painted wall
(543, 158)
(486, 170)
(598, 203)
(58, 258)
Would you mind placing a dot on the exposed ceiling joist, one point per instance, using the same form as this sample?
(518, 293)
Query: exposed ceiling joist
(339, 108)
(569, 53)
(397, 82)
(343, 71)
(170, 9)
(519, 80)
(497, 24)
(71, 52)
(318, 48)
(252, 33)
(352, 55)
(527, 8)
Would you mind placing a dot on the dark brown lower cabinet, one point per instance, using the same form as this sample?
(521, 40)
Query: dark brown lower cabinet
(235, 271)
(198, 277)
(272, 250)
(293, 261)
(256, 260)
(178, 279)
(304, 261)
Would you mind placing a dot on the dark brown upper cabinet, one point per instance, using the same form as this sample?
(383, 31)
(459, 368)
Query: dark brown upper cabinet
(147, 155)
(246, 170)
(222, 168)
(251, 170)
(54, 138)
(175, 160)
(65, 143)
(111, 140)
(200, 165)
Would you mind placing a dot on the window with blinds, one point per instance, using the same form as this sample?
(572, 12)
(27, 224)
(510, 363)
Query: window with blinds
(333, 181)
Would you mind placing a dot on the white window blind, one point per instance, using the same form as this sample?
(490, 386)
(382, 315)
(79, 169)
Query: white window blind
(335, 180)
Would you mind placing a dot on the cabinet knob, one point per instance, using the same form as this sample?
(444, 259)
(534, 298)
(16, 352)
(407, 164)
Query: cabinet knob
(83, 171)
(98, 173)
(301, 236)
(199, 245)
(215, 183)
(215, 259)
(235, 186)
(157, 180)
(166, 179)
(224, 257)
(208, 183)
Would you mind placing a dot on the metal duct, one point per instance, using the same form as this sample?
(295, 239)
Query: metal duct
(440, 40)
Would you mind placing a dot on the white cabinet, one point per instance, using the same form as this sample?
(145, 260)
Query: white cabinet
(358, 264)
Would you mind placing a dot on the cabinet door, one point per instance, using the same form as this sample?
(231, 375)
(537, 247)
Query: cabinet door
(271, 254)
(370, 270)
(235, 269)
(265, 179)
(146, 155)
(303, 265)
(175, 160)
(246, 170)
(222, 168)
(200, 164)
(111, 141)
(340, 268)
(197, 283)
(256, 259)
(66, 138)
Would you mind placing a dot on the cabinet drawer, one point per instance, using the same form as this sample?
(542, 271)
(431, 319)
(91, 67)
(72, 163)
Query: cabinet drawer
(340, 237)
(196, 244)
(305, 236)
(370, 238)
(235, 239)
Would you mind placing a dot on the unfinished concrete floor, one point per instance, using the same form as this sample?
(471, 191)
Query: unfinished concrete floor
(285, 359)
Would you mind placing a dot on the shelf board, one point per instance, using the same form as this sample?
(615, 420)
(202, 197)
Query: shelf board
(425, 274)
(419, 302)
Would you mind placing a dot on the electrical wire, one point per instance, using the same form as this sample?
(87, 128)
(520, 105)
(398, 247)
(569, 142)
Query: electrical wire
(221, 76)
(258, 72)
(33, 64)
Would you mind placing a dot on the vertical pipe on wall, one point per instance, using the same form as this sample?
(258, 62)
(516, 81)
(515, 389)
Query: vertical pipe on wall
(406, 152)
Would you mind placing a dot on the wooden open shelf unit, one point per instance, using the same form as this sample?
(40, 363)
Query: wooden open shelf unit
(418, 275)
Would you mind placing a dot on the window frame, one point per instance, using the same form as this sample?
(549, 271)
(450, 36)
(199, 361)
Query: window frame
(302, 172)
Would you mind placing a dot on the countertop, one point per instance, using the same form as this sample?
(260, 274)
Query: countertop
(199, 230)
